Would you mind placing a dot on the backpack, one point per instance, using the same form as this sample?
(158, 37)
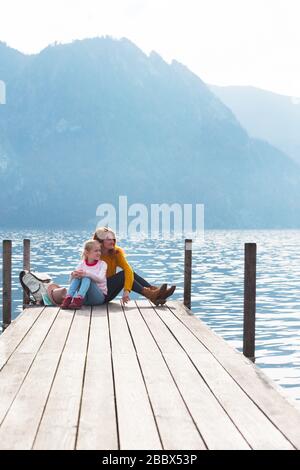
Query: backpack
(35, 285)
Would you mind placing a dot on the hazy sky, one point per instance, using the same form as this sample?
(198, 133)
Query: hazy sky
(225, 42)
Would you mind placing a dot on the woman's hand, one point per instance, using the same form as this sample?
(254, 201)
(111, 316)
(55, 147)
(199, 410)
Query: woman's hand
(79, 274)
(125, 297)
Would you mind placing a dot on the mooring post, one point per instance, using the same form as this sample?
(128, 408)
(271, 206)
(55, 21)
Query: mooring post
(6, 298)
(187, 272)
(249, 301)
(26, 267)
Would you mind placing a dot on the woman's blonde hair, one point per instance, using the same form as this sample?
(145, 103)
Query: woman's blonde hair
(100, 235)
(88, 245)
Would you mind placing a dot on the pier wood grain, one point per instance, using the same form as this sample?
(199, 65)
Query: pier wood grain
(131, 377)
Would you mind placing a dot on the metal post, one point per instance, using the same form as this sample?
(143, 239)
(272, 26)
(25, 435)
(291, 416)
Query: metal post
(249, 301)
(26, 267)
(7, 250)
(187, 272)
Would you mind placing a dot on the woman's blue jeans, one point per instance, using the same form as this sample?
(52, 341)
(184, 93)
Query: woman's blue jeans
(88, 289)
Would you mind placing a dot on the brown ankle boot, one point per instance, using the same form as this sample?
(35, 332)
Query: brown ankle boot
(163, 286)
(153, 294)
(167, 293)
(163, 300)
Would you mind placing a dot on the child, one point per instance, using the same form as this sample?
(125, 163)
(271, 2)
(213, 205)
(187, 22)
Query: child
(88, 283)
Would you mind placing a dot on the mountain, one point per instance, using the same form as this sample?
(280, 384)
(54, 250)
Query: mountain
(266, 115)
(88, 121)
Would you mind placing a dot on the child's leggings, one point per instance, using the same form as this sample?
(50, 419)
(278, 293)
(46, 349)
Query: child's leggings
(88, 289)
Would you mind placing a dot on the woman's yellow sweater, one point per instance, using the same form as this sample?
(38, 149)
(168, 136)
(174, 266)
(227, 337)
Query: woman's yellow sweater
(118, 259)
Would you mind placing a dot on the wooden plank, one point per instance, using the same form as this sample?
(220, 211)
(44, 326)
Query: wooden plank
(58, 427)
(19, 428)
(264, 392)
(15, 370)
(176, 427)
(203, 406)
(207, 372)
(98, 422)
(17, 330)
(259, 432)
(136, 423)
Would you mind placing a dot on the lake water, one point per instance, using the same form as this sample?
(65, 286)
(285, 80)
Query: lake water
(217, 284)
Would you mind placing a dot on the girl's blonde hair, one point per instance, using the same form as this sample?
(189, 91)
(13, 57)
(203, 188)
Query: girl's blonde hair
(88, 245)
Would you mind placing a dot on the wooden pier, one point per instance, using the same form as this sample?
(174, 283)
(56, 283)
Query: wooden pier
(134, 377)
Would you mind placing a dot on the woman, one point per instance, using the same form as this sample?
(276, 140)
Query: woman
(126, 279)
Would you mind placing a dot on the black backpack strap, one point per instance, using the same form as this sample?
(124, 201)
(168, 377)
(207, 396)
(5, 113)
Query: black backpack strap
(44, 278)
